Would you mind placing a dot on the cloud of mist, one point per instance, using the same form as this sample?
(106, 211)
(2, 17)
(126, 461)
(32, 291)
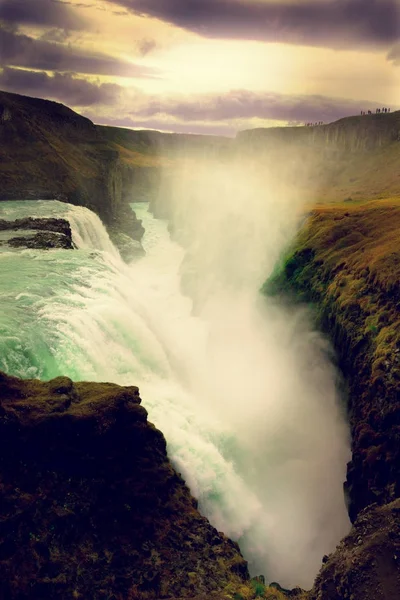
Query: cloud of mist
(263, 370)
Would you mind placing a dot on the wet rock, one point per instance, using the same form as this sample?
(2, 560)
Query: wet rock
(42, 240)
(41, 233)
(60, 226)
(128, 248)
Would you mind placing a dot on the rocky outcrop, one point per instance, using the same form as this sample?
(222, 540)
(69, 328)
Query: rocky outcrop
(345, 261)
(43, 240)
(38, 233)
(366, 564)
(91, 507)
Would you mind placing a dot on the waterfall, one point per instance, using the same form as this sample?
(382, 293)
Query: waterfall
(246, 398)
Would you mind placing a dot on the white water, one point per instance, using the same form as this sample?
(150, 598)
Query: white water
(247, 401)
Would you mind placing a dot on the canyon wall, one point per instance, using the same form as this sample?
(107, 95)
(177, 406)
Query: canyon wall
(345, 262)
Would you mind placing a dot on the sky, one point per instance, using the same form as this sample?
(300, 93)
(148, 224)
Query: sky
(204, 66)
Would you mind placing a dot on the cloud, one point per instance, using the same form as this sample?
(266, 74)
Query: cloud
(19, 50)
(41, 12)
(146, 46)
(165, 125)
(228, 113)
(239, 105)
(394, 55)
(56, 35)
(333, 23)
(63, 87)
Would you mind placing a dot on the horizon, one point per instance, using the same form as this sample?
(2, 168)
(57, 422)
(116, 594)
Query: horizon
(204, 67)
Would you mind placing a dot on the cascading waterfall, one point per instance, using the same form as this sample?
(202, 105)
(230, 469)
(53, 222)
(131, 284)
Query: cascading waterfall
(263, 452)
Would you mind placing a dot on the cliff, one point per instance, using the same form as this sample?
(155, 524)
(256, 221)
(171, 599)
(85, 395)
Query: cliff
(356, 157)
(346, 262)
(49, 152)
(91, 507)
(365, 132)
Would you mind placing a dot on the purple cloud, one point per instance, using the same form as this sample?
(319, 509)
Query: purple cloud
(245, 105)
(333, 23)
(218, 129)
(19, 50)
(63, 87)
(394, 55)
(40, 12)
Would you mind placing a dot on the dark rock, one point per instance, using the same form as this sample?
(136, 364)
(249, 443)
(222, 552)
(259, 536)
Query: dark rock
(42, 241)
(60, 226)
(51, 233)
(366, 564)
(90, 505)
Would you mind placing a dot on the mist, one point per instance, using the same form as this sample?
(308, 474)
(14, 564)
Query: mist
(261, 369)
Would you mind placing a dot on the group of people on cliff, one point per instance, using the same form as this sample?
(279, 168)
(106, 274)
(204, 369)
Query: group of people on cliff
(314, 124)
(363, 112)
(377, 111)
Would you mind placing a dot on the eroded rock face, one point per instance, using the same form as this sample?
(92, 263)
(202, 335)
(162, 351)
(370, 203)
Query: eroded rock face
(42, 233)
(366, 564)
(91, 506)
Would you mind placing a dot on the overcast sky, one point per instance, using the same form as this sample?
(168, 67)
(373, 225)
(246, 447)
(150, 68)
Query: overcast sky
(204, 66)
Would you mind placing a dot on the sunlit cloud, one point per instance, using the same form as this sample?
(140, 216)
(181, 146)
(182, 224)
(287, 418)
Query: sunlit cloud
(41, 12)
(204, 66)
(19, 50)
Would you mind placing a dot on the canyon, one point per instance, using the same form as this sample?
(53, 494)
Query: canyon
(60, 491)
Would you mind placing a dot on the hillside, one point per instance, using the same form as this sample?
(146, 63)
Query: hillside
(48, 151)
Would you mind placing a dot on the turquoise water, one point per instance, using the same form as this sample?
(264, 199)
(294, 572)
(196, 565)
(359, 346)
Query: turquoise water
(247, 404)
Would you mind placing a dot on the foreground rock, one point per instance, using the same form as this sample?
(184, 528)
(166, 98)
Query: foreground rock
(91, 507)
(42, 233)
